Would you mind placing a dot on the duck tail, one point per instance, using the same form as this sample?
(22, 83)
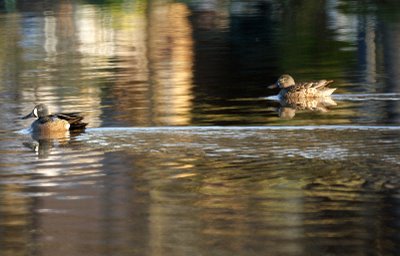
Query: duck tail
(322, 83)
(327, 91)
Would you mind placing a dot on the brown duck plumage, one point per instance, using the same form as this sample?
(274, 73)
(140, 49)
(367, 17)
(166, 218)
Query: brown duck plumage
(291, 91)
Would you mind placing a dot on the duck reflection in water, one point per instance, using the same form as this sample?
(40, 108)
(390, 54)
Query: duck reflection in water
(43, 146)
(50, 130)
(309, 96)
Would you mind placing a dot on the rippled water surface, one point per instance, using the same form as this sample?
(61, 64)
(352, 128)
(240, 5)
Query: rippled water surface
(187, 151)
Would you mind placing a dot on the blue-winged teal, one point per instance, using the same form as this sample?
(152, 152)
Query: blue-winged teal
(53, 123)
(291, 91)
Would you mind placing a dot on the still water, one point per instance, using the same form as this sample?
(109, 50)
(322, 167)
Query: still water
(187, 151)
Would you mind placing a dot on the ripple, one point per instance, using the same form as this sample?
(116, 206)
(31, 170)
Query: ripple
(368, 97)
(25, 131)
(116, 131)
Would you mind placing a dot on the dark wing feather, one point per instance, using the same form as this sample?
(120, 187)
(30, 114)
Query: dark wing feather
(74, 119)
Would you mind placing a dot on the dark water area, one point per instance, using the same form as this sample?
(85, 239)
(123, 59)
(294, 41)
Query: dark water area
(187, 151)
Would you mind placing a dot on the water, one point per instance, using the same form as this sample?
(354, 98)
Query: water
(187, 151)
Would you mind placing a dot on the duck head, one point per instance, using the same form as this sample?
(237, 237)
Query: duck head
(284, 81)
(40, 110)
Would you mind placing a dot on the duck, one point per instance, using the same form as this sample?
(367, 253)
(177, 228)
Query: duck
(303, 91)
(47, 123)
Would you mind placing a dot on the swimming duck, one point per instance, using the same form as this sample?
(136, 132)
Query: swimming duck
(293, 92)
(47, 123)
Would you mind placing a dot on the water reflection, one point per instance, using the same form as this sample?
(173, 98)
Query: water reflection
(219, 189)
(18, 223)
(287, 108)
(43, 146)
(157, 63)
(147, 68)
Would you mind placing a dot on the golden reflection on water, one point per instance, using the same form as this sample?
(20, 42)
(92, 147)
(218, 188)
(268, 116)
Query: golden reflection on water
(163, 59)
(171, 60)
(131, 63)
(189, 190)
(15, 212)
(141, 54)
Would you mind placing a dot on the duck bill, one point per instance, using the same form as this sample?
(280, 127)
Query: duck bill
(273, 86)
(28, 116)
